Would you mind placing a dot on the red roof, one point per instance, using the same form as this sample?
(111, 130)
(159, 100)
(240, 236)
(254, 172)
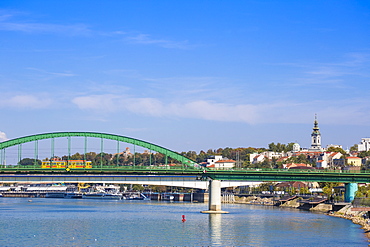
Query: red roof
(225, 161)
(292, 184)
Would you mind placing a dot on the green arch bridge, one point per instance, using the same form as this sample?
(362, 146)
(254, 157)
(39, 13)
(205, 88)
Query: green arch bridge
(188, 166)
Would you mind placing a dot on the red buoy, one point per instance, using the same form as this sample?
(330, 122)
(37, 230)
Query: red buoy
(183, 218)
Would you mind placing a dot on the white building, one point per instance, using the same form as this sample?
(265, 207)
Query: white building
(327, 159)
(211, 161)
(256, 158)
(270, 155)
(225, 164)
(296, 147)
(364, 145)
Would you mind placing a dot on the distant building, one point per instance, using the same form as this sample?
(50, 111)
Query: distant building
(219, 162)
(125, 153)
(364, 145)
(212, 160)
(256, 158)
(296, 147)
(224, 164)
(289, 185)
(322, 164)
(327, 159)
(354, 161)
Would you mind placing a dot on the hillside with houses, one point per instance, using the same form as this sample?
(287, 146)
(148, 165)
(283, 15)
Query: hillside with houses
(289, 156)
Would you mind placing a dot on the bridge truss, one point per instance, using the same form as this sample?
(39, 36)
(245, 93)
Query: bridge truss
(102, 136)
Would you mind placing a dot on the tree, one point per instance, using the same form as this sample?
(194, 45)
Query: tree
(77, 156)
(336, 149)
(364, 154)
(327, 190)
(267, 186)
(202, 156)
(304, 191)
(227, 152)
(281, 147)
(353, 148)
(137, 187)
(299, 159)
(29, 162)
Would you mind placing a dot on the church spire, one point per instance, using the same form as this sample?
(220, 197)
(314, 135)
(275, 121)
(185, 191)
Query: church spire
(316, 136)
(316, 126)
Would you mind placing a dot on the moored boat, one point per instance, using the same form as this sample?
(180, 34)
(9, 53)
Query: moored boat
(72, 195)
(167, 197)
(136, 196)
(102, 195)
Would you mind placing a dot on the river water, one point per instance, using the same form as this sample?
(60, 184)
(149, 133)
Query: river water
(79, 222)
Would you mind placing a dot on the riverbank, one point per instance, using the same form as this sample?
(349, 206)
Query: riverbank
(356, 217)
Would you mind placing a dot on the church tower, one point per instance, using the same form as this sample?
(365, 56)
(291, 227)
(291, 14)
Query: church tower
(316, 136)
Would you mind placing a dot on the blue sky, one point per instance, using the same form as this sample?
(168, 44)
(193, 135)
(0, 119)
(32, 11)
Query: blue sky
(187, 75)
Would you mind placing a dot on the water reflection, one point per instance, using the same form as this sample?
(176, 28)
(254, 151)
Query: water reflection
(215, 232)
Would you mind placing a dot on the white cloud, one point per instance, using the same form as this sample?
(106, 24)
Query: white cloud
(145, 39)
(25, 101)
(55, 74)
(344, 112)
(3, 137)
(75, 29)
(153, 107)
(97, 102)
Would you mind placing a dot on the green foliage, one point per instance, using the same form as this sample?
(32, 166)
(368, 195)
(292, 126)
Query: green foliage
(354, 148)
(77, 156)
(359, 194)
(363, 191)
(266, 186)
(328, 184)
(157, 188)
(281, 147)
(327, 190)
(304, 191)
(29, 162)
(336, 149)
(364, 154)
(299, 159)
(137, 187)
(327, 187)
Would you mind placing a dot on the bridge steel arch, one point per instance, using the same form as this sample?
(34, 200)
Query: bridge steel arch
(184, 160)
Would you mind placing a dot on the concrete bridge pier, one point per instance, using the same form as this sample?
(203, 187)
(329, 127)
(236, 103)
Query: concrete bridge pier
(214, 203)
(350, 191)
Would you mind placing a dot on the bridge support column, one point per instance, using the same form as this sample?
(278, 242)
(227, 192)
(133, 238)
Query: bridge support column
(350, 191)
(214, 203)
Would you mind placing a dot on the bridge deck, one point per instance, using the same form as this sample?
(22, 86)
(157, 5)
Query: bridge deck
(228, 175)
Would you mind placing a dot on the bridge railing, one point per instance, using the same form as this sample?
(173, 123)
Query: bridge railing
(32, 168)
(231, 170)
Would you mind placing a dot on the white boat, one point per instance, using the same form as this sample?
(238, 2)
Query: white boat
(136, 196)
(102, 195)
(167, 197)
